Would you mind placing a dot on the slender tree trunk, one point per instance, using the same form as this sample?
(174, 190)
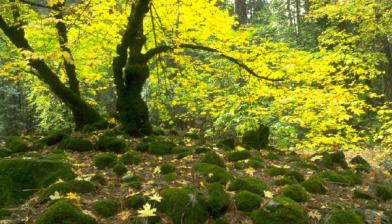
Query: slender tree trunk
(289, 13)
(241, 10)
(388, 69)
(298, 17)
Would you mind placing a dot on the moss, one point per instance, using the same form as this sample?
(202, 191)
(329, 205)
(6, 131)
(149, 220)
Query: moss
(284, 181)
(217, 199)
(362, 195)
(238, 155)
(180, 149)
(247, 201)
(110, 143)
(160, 148)
(295, 175)
(315, 186)
(170, 177)
(131, 158)
(105, 160)
(4, 213)
(183, 205)
(183, 154)
(213, 173)
(221, 221)
(212, 158)
(277, 171)
(148, 220)
(272, 156)
(98, 178)
(57, 154)
(167, 168)
(361, 164)
(63, 212)
(16, 144)
(228, 143)
(119, 168)
(249, 184)
(200, 150)
(18, 175)
(132, 181)
(4, 152)
(383, 191)
(295, 192)
(136, 201)
(347, 178)
(257, 139)
(339, 158)
(142, 147)
(75, 186)
(106, 208)
(280, 210)
(77, 144)
(254, 163)
(305, 165)
(54, 137)
(343, 216)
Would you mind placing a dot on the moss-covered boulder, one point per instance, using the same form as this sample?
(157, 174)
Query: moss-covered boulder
(64, 212)
(98, 179)
(183, 205)
(221, 221)
(105, 160)
(16, 144)
(331, 160)
(77, 144)
(295, 192)
(110, 143)
(280, 210)
(360, 164)
(295, 176)
(277, 171)
(132, 181)
(119, 168)
(4, 213)
(235, 156)
(160, 148)
(167, 168)
(362, 195)
(170, 177)
(217, 199)
(228, 143)
(18, 175)
(343, 216)
(346, 178)
(75, 186)
(54, 137)
(136, 201)
(213, 173)
(249, 184)
(339, 158)
(106, 208)
(131, 158)
(212, 158)
(383, 191)
(4, 152)
(314, 185)
(257, 139)
(247, 201)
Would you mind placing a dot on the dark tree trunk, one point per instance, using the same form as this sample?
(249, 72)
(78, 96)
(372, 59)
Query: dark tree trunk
(241, 11)
(388, 69)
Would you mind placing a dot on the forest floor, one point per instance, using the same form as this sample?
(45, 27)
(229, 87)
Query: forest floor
(270, 166)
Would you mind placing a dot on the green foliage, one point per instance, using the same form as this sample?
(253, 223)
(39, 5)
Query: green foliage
(170, 177)
(160, 148)
(77, 144)
(132, 181)
(110, 143)
(248, 184)
(4, 152)
(277, 171)
(74, 186)
(362, 195)
(343, 216)
(64, 212)
(16, 144)
(347, 178)
(383, 191)
(314, 185)
(217, 199)
(106, 208)
(247, 201)
(213, 173)
(183, 205)
(131, 158)
(167, 168)
(235, 156)
(119, 168)
(295, 192)
(295, 176)
(221, 221)
(136, 201)
(212, 158)
(105, 160)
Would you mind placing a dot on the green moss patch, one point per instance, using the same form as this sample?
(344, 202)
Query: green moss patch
(277, 171)
(75, 186)
(362, 195)
(235, 156)
(167, 168)
(249, 184)
(170, 177)
(64, 212)
(131, 157)
(105, 160)
(132, 181)
(160, 148)
(18, 175)
(343, 216)
(347, 178)
(119, 168)
(77, 144)
(54, 137)
(4, 213)
(4, 152)
(228, 143)
(136, 201)
(383, 191)
(16, 144)
(217, 199)
(106, 208)
(110, 143)
(257, 139)
(183, 205)
(360, 164)
(213, 173)
(247, 201)
(212, 158)
(295, 192)
(315, 186)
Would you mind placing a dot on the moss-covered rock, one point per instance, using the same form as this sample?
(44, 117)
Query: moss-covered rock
(213, 173)
(339, 158)
(183, 205)
(361, 164)
(343, 216)
(167, 168)
(221, 221)
(228, 143)
(257, 139)
(54, 137)
(314, 185)
(119, 168)
(247, 201)
(280, 210)
(217, 199)
(105, 160)
(77, 144)
(132, 181)
(136, 201)
(106, 208)
(347, 178)
(362, 195)
(212, 158)
(4, 152)
(75, 186)
(4, 213)
(110, 143)
(180, 149)
(235, 156)
(16, 144)
(249, 184)
(295, 176)
(277, 171)
(383, 191)
(131, 158)
(160, 148)
(17, 175)
(170, 177)
(295, 192)
(64, 212)
(98, 179)
(200, 150)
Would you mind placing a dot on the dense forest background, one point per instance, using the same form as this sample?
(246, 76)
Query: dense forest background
(325, 68)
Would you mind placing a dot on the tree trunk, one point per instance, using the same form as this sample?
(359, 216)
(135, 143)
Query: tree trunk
(240, 9)
(298, 17)
(388, 69)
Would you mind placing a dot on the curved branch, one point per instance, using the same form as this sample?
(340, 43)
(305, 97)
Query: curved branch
(164, 48)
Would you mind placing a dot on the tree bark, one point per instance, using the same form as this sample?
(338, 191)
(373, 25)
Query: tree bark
(241, 11)
(388, 69)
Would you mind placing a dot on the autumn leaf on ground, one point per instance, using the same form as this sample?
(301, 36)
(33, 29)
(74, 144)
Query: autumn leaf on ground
(147, 211)
(56, 195)
(72, 196)
(156, 197)
(268, 194)
(250, 171)
(124, 215)
(314, 158)
(314, 214)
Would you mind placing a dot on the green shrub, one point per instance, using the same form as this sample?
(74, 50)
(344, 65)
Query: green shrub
(314, 185)
(106, 208)
(160, 148)
(110, 143)
(213, 173)
(247, 201)
(63, 212)
(359, 161)
(277, 171)
(16, 144)
(76, 144)
(54, 137)
(249, 184)
(362, 195)
(295, 192)
(131, 158)
(235, 156)
(75, 186)
(133, 181)
(383, 191)
(343, 216)
(217, 199)
(212, 158)
(136, 201)
(183, 205)
(167, 168)
(119, 168)
(105, 160)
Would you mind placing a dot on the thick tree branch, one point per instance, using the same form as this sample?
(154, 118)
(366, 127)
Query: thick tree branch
(35, 4)
(161, 49)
